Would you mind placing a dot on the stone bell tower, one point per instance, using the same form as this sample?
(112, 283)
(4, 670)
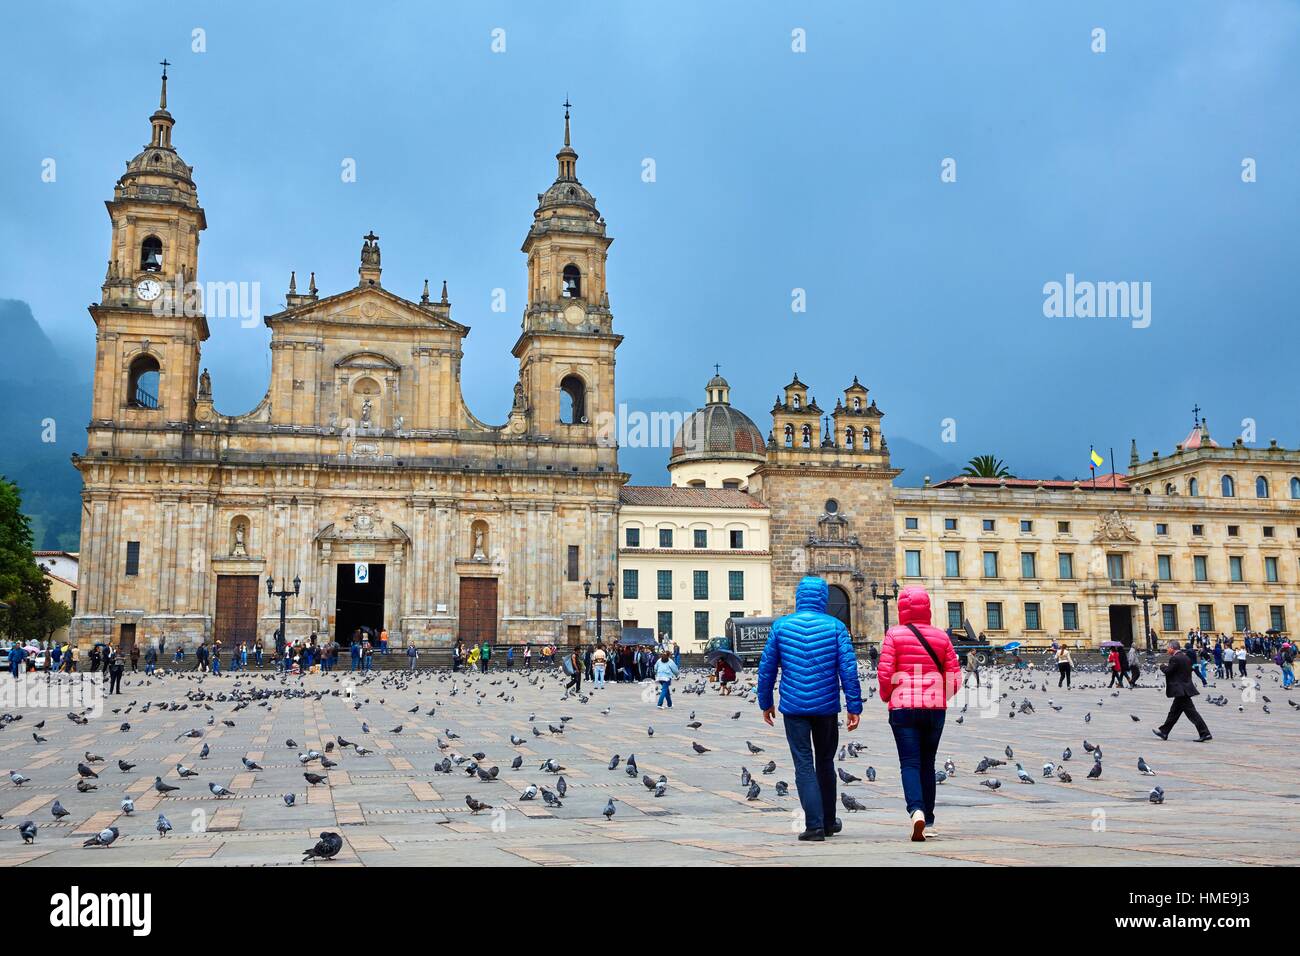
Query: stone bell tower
(566, 348)
(827, 480)
(150, 321)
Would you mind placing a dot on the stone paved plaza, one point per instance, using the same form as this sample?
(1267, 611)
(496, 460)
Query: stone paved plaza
(1227, 802)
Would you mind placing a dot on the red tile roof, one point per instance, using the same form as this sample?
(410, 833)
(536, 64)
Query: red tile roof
(672, 497)
(1108, 482)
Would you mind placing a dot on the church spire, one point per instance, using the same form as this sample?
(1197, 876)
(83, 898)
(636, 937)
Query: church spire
(161, 120)
(567, 158)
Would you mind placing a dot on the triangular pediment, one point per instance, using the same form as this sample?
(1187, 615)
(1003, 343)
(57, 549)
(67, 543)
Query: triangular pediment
(368, 305)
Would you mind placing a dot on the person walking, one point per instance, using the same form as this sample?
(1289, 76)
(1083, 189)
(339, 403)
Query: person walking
(1241, 659)
(528, 657)
(135, 658)
(1064, 664)
(665, 670)
(150, 660)
(1116, 667)
(574, 666)
(919, 671)
(1179, 686)
(1218, 660)
(813, 653)
(973, 667)
(1287, 653)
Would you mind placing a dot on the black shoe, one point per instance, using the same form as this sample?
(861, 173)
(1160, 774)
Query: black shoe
(838, 826)
(1160, 733)
(1204, 737)
(813, 836)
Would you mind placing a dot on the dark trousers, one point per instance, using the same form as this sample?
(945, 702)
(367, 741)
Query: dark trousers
(813, 739)
(115, 682)
(1116, 677)
(917, 731)
(1184, 705)
(1065, 675)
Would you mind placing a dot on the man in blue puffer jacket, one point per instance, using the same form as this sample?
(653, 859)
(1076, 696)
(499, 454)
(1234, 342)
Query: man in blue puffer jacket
(814, 653)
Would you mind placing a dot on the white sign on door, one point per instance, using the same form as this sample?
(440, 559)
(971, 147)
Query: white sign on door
(362, 573)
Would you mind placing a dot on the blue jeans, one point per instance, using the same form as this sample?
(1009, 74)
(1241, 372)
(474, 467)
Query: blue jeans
(813, 739)
(917, 731)
(665, 693)
(599, 671)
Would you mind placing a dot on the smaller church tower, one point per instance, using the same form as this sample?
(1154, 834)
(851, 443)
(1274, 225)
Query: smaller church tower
(827, 480)
(149, 318)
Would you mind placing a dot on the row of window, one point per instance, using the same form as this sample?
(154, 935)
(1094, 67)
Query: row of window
(699, 538)
(1115, 566)
(993, 617)
(1228, 487)
(1063, 527)
(806, 436)
(664, 623)
(699, 585)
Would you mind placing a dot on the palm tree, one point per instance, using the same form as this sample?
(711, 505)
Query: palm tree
(986, 466)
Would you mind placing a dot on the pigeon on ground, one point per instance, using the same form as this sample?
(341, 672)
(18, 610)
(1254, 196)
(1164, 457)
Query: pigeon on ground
(86, 772)
(517, 762)
(1049, 768)
(992, 783)
(609, 809)
(250, 764)
(550, 799)
(27, 830)
(476, 805)
(753, 748)
(782, 788)
(125, 767)
(613, 762)
(17, 778)
(1144, 768)
(530, 792)
(699, 748)
(163, 825)
(185, 771)
(315, 779)
(851, 802)
(128, 806)
(754, 790)
(58, 810)
(103, 838)
(1157, 795)
(217, 790)
(871, 774)
(1067, 753)
(1023, 774)
(845, 776)
(289, 799)
(661, 788)
(85, 786)
(561, 786)
(1063, 775)
(203, 754)
(769, 767)
(1095, 772)
(326, 848)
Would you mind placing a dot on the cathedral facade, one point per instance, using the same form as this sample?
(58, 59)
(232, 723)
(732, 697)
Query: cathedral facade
(361, 482)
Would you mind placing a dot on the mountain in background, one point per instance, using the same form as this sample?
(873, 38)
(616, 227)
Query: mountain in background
(42, 396)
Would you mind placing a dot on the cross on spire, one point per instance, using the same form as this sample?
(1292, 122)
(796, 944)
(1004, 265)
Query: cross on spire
(164, 64)
(567, 104)
(1196, 414)
(717, 369)
(162, 97)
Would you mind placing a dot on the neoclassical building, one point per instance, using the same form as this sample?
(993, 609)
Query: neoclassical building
(361, 474)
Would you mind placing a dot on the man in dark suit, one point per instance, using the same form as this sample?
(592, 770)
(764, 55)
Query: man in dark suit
(1179, 686)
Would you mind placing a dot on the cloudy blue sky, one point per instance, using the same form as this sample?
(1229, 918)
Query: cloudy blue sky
(776, 170)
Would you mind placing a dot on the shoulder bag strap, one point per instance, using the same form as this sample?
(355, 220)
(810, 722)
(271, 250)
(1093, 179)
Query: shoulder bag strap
(926, 644)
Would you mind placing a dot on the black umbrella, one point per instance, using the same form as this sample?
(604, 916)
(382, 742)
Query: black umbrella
(730, 657)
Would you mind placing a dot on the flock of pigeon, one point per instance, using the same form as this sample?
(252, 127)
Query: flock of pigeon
(439, 688)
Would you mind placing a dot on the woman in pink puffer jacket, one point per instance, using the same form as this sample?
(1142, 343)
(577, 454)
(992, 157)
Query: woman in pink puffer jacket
(916, 683)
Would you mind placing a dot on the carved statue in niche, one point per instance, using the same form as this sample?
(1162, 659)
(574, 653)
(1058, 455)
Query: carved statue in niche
(237, 550)
(478, 534)
(365, 413)
(205, 385)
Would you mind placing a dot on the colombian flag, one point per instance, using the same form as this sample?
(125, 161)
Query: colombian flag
(1096, 458)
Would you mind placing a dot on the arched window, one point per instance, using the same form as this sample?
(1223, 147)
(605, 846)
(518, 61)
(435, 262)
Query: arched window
(572, 282)
(1146, 491)
(796, 401)
(848, 438)
(1228, 487)
(857, 404)
(806, 436)
(1169, 488)
(1295, 487)
(142, 382)
(573, 400)
(1261, 487)
(789, 436)
(151, 255)
(1193, 488)
(866, 439)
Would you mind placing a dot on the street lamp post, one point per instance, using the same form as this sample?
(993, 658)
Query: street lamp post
(1147, 593)
(600, 600)
(283, 596)
(884, 597)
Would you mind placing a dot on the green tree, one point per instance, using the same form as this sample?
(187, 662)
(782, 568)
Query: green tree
(31, 613)
(986, 466)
